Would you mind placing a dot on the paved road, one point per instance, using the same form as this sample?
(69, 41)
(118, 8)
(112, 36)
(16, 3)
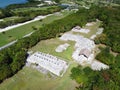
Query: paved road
(13, 42)
(7, 45)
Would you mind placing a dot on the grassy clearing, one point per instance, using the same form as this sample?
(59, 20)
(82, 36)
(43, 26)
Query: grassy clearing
(19, 32)
(11, 18)
(32, 8)
(49, 46)
(31, 79)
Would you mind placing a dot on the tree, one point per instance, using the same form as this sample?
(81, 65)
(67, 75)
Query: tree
(57, 1)
(18, 61)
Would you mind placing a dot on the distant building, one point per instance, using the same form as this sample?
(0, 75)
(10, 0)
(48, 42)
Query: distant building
(85, 52)
(49, 2)
(69, 6)
(62, 47)
(77, 27)
(49, 62)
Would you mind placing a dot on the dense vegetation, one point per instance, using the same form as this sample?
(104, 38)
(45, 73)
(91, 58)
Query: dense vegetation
(94, 80)
(105, 79)
(99, 80)
(116, 1)
(111, 23)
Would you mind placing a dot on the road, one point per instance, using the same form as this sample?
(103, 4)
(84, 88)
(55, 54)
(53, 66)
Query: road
(13, 42)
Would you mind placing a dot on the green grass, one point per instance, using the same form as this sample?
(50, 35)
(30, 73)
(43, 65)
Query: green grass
(32, 8)
(49, 46)
(31, 79)
(11, 18)
(19, 32)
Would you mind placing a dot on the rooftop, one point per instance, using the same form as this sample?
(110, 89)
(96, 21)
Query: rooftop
(49, 62)
(85, 52)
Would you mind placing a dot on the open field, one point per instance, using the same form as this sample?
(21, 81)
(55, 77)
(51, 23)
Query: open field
(18, 32)
(11, 18)
(32, 8)
(49, 46)
(31, 79)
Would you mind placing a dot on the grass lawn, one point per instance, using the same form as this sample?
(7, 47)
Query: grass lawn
(19, 32)
(11, 18)
(31, 79)
(32, 8)
(49, 46)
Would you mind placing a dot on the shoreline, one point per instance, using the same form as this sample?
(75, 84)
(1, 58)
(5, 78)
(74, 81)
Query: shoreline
(5, 4)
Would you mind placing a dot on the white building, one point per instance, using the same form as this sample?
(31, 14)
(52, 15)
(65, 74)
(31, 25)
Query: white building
(83, 47)
(84, 51)
(62, 47)
(49, 2)
(98, 66)
(49, 62)
(81, 30)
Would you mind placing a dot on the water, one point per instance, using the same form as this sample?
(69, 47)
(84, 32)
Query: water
(4, 3)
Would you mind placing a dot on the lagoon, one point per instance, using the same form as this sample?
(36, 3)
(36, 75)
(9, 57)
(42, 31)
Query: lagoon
(4, 3)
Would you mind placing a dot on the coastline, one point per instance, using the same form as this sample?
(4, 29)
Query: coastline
(5, 3)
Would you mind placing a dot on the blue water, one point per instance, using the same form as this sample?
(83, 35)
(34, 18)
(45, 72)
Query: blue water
(4, 3)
